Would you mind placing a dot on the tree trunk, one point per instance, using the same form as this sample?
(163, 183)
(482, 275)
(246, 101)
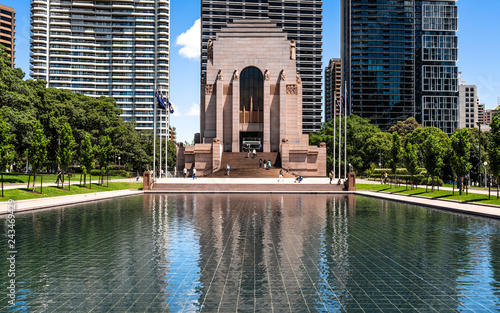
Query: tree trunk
(34, 180)
(85, 179)
(459, 185)
(62, 179)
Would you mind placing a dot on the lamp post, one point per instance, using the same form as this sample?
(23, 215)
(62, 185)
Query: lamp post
(119, 161)
(350, 167)
(485, 164)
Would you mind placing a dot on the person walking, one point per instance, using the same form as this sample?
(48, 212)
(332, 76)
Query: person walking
(265, 164)
(280, 177)
(59, 179)
(260, 163)
(269, 164)
(254, 153)
(185, 171)
(331, 176)
(194, 173)
(228, 169)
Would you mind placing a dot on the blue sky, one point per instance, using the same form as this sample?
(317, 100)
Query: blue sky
(478, 37)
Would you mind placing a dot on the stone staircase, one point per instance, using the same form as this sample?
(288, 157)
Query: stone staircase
(244, 167)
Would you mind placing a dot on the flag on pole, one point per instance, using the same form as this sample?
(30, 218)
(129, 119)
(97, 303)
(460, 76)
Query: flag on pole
(161, 101)
(170, 106)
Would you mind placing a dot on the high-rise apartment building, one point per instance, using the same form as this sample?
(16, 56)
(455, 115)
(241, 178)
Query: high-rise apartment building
(300, 19)
(8, 31)
(399, 61)
(112, 48)
(333, 86)
(468, 111)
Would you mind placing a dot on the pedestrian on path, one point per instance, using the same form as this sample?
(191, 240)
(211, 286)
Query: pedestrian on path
(280, 177)
(265, 164)
(331, 176)
(194, 173)
(260, 163)
(228, 169)
(59, 179)
(254, 153)
(269, 164)
(185, 172)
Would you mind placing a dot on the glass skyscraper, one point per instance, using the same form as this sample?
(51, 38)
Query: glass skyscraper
(300, 19)
(399, 61)
(112, 48)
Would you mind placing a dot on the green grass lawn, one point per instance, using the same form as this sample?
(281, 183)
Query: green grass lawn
(23, 193)
(17, 178)
(441, 194)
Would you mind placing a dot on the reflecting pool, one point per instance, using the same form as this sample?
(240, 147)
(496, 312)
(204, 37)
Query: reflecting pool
(246, 253)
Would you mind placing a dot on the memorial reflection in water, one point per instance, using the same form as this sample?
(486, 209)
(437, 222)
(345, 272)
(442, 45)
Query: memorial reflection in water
(319, 253)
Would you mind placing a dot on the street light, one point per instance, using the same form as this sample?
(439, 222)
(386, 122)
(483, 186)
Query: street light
(119, 161)
(485, 163)
(350, 167)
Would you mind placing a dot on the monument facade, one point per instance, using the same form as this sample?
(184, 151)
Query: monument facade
(251, 97)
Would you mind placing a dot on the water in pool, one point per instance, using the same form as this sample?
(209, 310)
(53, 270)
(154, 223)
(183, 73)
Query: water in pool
(253, 253)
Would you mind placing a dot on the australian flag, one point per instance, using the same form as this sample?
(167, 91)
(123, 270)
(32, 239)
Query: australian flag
(161, 101)
(170, 106)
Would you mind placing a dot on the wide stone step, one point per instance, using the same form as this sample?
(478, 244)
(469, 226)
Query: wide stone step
(270, 188)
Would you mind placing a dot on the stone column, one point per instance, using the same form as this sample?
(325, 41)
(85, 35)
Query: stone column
(267, 116)
(219, 102)
(283, 113)
(236, 117)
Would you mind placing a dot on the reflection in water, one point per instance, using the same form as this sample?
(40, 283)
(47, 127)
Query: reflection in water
(299, 253)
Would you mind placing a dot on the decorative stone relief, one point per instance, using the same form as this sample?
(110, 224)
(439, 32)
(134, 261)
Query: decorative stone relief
(293, 48)
(216, 140)
(291, 89)
(297, 77)
(266, 74)
(220, 76)
(210, 50)
(209, 89)
(236, 75)
(322, 145)
(283, 75)
(284, 140)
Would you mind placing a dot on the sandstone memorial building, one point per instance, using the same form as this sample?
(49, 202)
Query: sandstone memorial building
(251, 96)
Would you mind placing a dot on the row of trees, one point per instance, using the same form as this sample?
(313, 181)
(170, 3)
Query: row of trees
(48, 128)
(412, 146)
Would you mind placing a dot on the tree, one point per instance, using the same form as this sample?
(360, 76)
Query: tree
(395, 153)
(86, 157)
(405, 127)
(66, 149)
(411, 161)
(37, 151)
(104, 151)
(460, 155)
(494, 148)
(6, 147)
(378, 148)
(433, 157)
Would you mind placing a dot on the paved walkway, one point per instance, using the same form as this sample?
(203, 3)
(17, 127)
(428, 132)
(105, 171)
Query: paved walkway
(450, 205)
(44, 203)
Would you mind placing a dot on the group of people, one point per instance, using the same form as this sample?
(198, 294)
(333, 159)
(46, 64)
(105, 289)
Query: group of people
(185, 172)
(384, 178)
(267, 164)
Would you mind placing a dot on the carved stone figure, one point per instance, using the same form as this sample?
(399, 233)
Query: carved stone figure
(266, 74)
(283, 75)
(293, 48)
(210, 49)
(220, 76)
(236, 75)
(284, 140)
(297, 77)
(209, 89)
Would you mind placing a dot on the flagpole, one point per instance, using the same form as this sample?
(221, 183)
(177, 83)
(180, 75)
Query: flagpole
(345, 131)
(155, 104)
(334, 134)
(161, 124)
(167, 133)
(340, 136)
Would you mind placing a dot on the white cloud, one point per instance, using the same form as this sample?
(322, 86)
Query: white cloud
(194, 110)
(190, 40)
